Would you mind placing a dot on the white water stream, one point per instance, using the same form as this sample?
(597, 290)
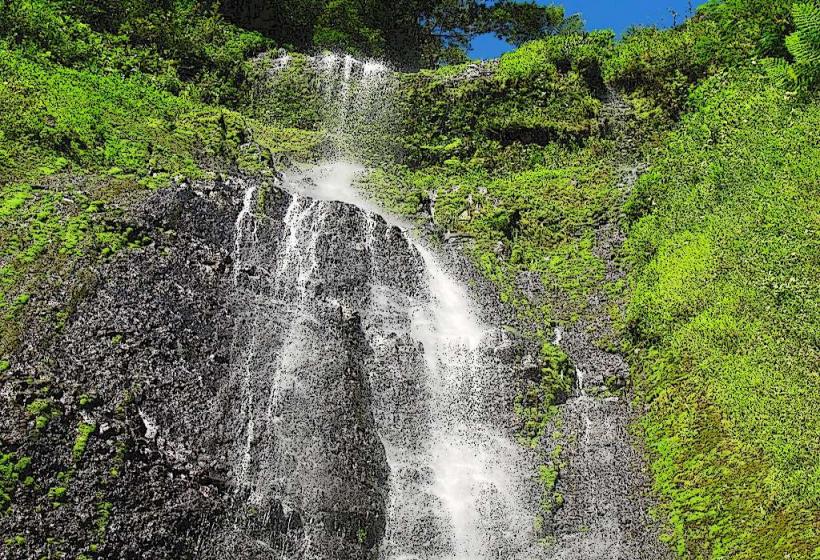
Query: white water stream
(459, 485)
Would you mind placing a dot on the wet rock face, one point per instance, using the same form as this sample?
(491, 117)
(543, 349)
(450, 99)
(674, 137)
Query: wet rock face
(187, 455)
(298, 407)
(136, 365)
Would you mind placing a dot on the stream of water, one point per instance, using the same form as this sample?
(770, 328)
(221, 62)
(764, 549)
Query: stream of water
(433, 401)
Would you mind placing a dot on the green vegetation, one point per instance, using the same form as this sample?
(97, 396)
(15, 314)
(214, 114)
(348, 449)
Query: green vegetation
(112, 109)
(804, 44)
(523, 161)
(536, 407)
(180, 46)
(536, 101)
(515, 161)
(722, 296)
(410, 33)
(103, 517)
(724, 308)
(12, 468)
(16, 540)
(43, 411)
(84, 431)
(56, 494)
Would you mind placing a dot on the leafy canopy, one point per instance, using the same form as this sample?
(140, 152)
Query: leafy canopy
(411, 33)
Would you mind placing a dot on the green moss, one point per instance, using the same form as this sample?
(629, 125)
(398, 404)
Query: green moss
(38, 406)
(119, 459)
(536, 406)
(287, 95)
(57, 493)
(84, 431)
(16, 540)
(723, 301)
(103, 517)
(582, 54)
(548, 475)
(43, 411)
(12, 467)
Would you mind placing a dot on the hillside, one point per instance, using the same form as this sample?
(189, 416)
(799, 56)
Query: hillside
(637, 218)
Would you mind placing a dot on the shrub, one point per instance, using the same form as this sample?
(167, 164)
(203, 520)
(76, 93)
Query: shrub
(663, 66)
(583, 54)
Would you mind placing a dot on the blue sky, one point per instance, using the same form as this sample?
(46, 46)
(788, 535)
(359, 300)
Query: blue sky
(613, 14)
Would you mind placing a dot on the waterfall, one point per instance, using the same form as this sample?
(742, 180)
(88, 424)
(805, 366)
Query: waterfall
(375, 402)
(358, 112)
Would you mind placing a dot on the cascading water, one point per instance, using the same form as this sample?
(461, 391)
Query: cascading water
(375, 404)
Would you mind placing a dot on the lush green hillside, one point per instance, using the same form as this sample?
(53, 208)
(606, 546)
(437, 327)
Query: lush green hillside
(72, 141)
(723, 312)
(520, 162)
(721, 316)
(526, 160)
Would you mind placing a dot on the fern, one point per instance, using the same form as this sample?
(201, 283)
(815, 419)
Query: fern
(804, 44)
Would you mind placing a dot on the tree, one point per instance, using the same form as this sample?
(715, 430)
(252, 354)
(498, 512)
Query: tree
(343, 24)
(411, 33)
(518, 23)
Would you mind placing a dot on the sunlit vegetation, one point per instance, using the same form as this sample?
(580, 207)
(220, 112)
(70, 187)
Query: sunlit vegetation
(522, 160)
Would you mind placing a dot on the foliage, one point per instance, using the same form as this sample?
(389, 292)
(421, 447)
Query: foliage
(583, 54)
(176, 44)
(663, 66)
(747, 27)
(285, 91)
(804, 44)
(483, 114)
(412, 33)
(520, 22)
(43, 410)
(536, 406)
(342, 26)
(84, 431)
(538, 222)
(508, 156)
(122, 134)
(724, 308)
(105, 100)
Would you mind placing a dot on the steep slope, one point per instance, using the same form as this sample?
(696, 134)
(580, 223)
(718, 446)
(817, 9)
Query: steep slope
(142, 415)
